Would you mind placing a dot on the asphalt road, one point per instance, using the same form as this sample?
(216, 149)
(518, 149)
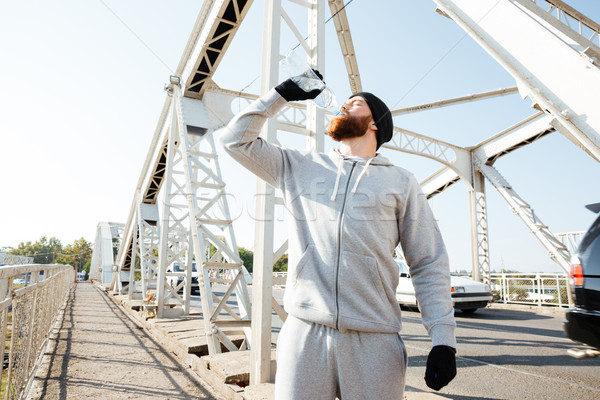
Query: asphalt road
(507, 354)
(503, 353)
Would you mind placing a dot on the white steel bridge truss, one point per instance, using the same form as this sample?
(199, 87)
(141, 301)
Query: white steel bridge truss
(187, 226)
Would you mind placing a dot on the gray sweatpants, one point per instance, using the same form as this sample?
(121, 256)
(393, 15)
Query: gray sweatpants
(316, 362)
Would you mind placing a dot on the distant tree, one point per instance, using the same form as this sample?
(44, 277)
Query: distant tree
(86, 268)
(43, 251)
(247, 257)
(77, 254)
(282, 264)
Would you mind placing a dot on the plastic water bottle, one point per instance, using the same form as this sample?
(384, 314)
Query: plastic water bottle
(298, 70)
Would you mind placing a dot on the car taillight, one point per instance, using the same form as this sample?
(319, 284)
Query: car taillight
(577, 274)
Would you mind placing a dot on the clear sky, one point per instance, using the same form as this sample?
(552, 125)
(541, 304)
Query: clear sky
(83, 89)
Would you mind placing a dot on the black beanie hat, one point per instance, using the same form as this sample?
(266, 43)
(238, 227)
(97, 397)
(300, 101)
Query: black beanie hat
(381, 115)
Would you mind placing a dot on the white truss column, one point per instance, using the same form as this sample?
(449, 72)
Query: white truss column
(134, 255)
(260, 357)
(108, 235)
(316, 60)
(163, 251)
(212, 244)
(148, 235)
(479, 230)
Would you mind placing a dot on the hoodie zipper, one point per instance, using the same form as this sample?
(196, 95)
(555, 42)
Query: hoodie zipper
(339, 249)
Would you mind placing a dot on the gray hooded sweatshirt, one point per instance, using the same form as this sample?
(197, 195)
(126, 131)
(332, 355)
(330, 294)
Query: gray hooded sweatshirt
(346, 218)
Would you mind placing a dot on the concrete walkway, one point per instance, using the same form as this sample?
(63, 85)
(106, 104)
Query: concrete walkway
(105, 348)
(97, 351)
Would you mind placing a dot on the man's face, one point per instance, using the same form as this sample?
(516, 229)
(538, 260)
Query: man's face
(353, 121)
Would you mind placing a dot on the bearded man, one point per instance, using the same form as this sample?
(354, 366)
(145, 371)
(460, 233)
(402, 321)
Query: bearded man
(350, 208)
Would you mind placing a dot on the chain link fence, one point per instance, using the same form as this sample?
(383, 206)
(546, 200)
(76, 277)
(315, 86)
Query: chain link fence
(31, 298)
(535, 289)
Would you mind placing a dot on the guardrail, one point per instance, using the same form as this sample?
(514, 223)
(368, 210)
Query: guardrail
(30, 299)
(537, 289)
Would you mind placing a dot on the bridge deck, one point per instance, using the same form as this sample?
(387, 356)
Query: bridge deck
(97, 351)
(100, 351)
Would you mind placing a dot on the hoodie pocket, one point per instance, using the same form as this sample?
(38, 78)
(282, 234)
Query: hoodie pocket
(362, 294)
(313, 282)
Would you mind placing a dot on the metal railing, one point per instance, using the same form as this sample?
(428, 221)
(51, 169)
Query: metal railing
(31, 297)
(535, 289)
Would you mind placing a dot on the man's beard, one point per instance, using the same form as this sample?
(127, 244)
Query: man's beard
(346, 127)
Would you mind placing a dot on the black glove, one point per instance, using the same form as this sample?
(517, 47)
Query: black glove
(441, 367)
(290, 91)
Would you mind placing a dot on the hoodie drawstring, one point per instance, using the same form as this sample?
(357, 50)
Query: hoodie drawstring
(337, 179)
(361, 175)
(339, 175)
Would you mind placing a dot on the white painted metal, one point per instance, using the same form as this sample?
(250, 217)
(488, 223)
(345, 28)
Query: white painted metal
(516, 136)
(454, 157)
(316, 59)
(260, 358)
(556, 249)
(264, 254)
(456, 100)
(571, 240)
(32, 312)
(12, 259)
(108, 236)
(524, 132)
(340, 20)
(582, 26)
(439, 181)
(479, 230)
(215, 28)
(195, 225)
(528, 51)
(147, 247)
(133, 269)
(537, 77)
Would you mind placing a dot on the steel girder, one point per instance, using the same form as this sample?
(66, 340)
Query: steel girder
(527, 51)
(340, 20)
(454, 157)
(217, 24)
(195, 225)
(143, 268)
(219, 20)
(264, 252)
(523, 133)
(480, 252)
(454, 101)
(108, 236)
(215, 27)
(556, 249)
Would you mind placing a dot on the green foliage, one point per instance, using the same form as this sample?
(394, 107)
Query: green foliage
(43, 251)
(282, 264)
(247, 257)
(77, 254)
(51, 251)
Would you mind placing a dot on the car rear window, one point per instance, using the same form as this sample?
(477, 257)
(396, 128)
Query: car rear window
(589, 250)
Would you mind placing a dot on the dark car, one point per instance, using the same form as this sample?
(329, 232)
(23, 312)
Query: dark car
(583, 320)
